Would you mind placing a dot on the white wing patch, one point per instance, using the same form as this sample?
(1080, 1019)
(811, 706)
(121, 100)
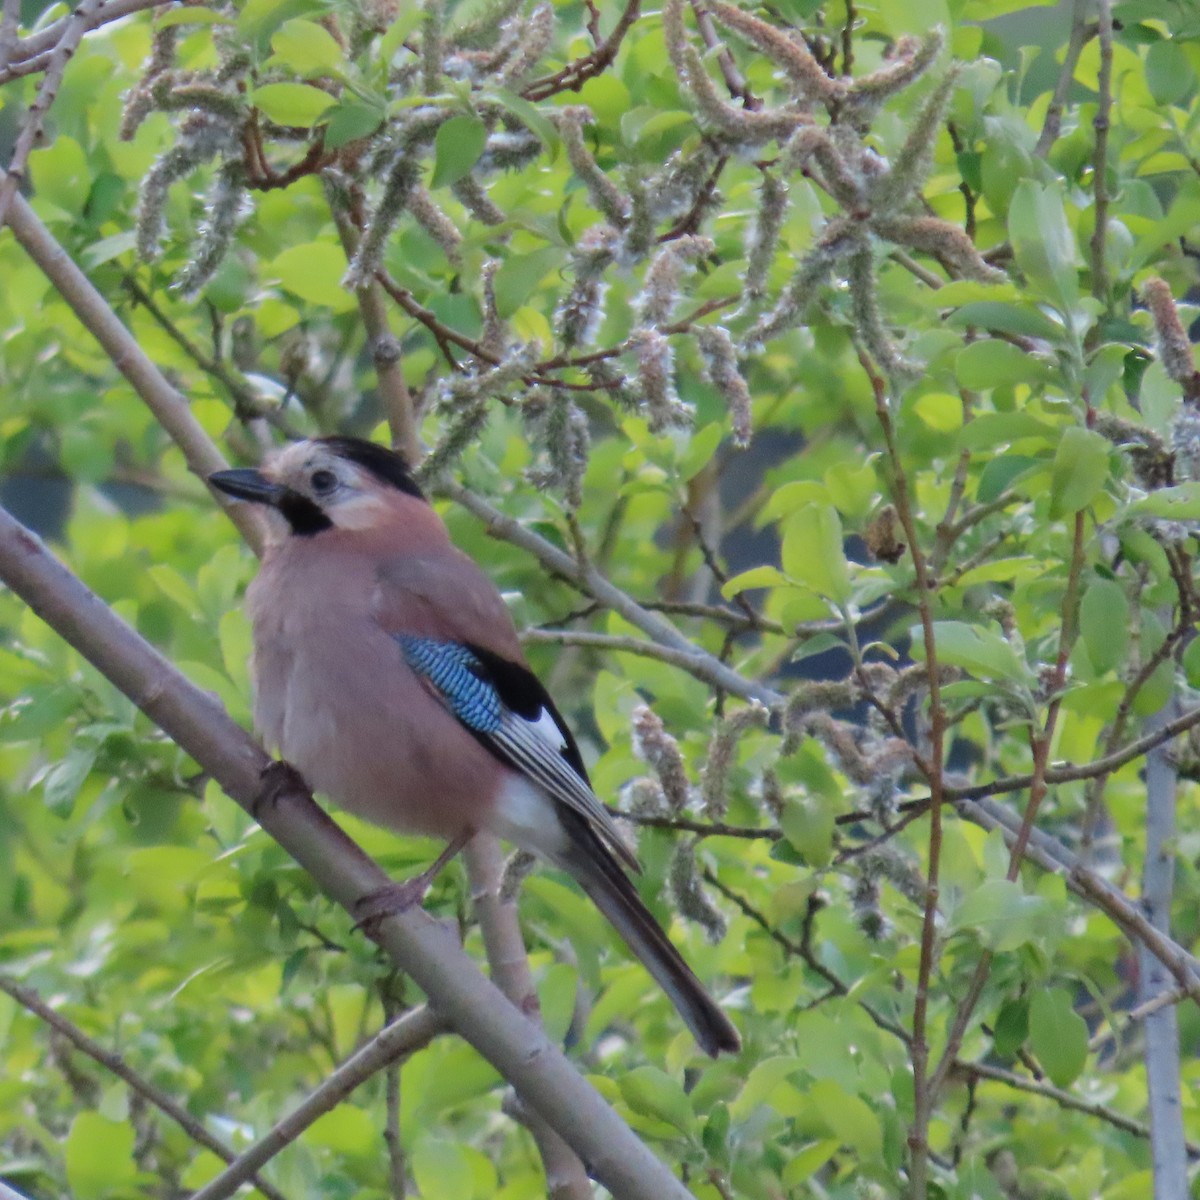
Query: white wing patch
(546, 726)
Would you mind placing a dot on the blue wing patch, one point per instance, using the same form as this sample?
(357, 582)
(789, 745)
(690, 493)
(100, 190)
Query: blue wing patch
(451, 669)
(509, 713)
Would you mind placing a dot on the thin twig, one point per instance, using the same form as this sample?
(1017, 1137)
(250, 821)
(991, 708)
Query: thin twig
(566, 1177)
(1102, 123)
(591, 582)
(735, 81)
(247, 403)
(576, 73)
(1063, 1099)
(918, 1138)
(396, 1041)
(1081, 32)
(9, 31)
(1042, 741)
(29, 999)
(31, 128)
(385, 350)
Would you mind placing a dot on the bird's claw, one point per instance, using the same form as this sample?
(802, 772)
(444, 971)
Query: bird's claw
(389, 901)
(279, 778)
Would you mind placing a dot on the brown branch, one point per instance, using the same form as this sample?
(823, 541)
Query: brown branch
(918, 1138)
(385, 350)
(46, 39)
(29, 999)
(566, 1178)
(31, 128)
(1101, 123)
(1038, 787)
(576, 73)
(247, 404)
(1081, 33)
(589, 580)
(735, 81)
(1063, 1099)
(395, 1042)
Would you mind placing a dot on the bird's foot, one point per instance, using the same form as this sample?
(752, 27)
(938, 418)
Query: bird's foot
(278, 779)
(390, 901)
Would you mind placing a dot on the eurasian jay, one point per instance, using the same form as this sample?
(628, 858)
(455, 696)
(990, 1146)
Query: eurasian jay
(388, 671)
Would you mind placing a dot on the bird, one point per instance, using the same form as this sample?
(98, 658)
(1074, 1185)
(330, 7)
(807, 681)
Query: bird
(388, 671)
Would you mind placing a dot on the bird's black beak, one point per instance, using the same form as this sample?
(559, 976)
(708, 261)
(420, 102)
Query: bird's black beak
(248, 484)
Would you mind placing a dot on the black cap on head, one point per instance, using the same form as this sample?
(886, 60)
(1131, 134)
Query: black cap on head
(386, 465)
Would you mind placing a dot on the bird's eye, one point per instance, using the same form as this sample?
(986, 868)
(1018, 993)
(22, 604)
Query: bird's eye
(323, 482)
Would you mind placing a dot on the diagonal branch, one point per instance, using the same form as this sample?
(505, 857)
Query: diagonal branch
(395, 1042)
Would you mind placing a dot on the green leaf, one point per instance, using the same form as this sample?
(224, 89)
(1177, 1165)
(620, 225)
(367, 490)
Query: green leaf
(756, 577)
(1024, 320)
(1180, 503)
(812, 553)
(1000, 473)
(61, 783)
(531, 117)
(61, 173)
(807, 1161)
(1057, 1035)
(313, 271)
(1169, 73)
(1000, 914)
(457, 148)
(848, 1117)
(306, 48)
(852, 487)
(700, 450)
(99, 1157)
(347, 1129)
(1011, 1027)
(520, 274)
(1191, 662)
(1080, 470)
(260, 18)
(191, 16)
(992, 363)
(975, 649)
(106, 249)
(348, 122)
(715, 1136)
(987, 432)
(808, 824)
(296, 105)
(653, 1093)
(440, 1168)
(1104, 624)
(1043, 242)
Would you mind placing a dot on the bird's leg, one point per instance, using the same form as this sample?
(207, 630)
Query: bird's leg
(278, 779)
(397, 898)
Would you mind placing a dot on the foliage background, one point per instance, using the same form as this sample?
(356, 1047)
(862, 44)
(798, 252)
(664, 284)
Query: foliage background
(1005, 417)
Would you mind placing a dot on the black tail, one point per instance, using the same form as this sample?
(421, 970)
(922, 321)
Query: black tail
(598, 873)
